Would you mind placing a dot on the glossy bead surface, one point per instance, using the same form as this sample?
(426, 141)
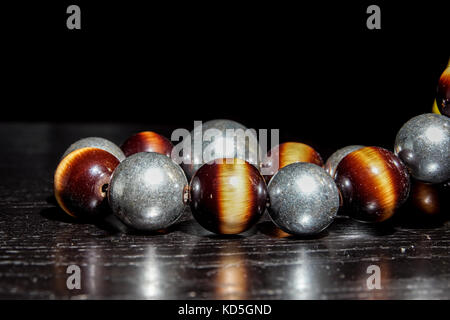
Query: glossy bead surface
(428, 199)
(147, 190)
(228, 198)
(81, 180)
(443, 93)
(147, 141)
(221, 146)
(304, 199)
(333, 161)
(423, 144)
(287, 153)
(373, 183)
(96, 142)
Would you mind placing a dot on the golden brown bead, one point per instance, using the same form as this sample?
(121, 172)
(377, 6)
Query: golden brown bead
(228, 198)
(373, 183)
(147, 141)
(81, 181)
(287, 153)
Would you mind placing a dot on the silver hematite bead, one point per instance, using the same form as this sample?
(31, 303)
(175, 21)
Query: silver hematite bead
(336, 157)
(96, 142)
(423, 144)
(147, 190)
(303, 199)
(222, 147)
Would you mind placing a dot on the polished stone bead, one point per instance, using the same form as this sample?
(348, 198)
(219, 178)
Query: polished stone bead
(423, 144)
(147, 141)
(147, 191)
(304, 199)
(96, 142)
(228, 197)
(220, 145)
(287, 153)
(333, 161)
(81, 181)
(373, 182)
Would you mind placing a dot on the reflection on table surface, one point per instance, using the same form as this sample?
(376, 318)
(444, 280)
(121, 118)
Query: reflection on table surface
(187, 262)
(38, 242)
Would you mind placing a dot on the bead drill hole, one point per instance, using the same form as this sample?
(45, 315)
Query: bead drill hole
(105, 189)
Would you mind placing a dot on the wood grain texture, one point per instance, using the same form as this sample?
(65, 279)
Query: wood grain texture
(38, 243)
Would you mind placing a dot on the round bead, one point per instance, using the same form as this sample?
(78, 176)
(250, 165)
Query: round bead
(228, 197)
(96, 142)
(303, 199)
(220, 146)
(373, 183)
(428, 199)
(423, 144)
(443, 93)
(147, 141)
(336, 157)
(147, 191)
(81, 180)
(287, 153)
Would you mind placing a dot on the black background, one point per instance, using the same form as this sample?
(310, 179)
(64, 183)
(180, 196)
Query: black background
(312, 70)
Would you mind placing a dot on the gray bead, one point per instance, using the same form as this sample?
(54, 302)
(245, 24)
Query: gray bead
(336, 157)
(247, 151)
(303, 199)
(146, 191)
(96, 142)
(423, 144)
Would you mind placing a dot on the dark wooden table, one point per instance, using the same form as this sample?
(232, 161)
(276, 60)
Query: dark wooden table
(38, 242)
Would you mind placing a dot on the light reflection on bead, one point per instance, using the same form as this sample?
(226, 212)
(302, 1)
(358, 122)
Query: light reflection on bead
(96, 142)
(303, 199)
(228, 198)
(373, 183)
(221, 146)
(146, 191)
(423, 144)
(333, 161)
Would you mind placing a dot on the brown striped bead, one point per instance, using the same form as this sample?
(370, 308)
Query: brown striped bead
(427, 201)
(81, 180)
(373, 183)
(287, 153)
(443, 93)
(228, 198)
(147, 141)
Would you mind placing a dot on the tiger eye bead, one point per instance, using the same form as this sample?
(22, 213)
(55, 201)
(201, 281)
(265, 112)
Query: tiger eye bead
(373, 183)
(147, 141)
(427, 200)
(228, 197)
(287, 153)
(333, 161)
(81, 181)
(443, 93)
